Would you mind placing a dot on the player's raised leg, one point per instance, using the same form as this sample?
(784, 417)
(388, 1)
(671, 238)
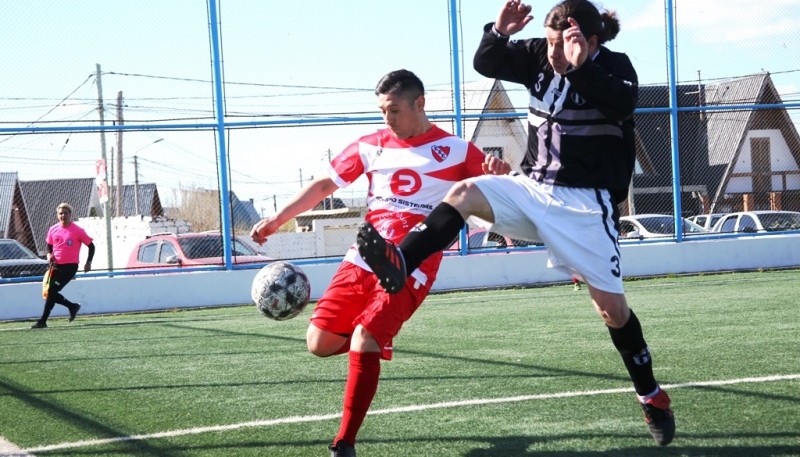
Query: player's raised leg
(392, 264)
(383, 257)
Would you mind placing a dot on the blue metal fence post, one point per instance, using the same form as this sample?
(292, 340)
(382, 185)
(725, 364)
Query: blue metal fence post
(219, 97)
(457, 96)
(673, 118)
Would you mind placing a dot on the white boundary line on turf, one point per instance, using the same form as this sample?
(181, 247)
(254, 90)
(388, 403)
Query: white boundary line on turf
(8, 449)
(402, 409)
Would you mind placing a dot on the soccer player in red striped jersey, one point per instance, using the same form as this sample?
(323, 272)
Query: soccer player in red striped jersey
(410, 166)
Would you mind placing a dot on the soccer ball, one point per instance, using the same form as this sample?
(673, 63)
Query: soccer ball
(280, 291)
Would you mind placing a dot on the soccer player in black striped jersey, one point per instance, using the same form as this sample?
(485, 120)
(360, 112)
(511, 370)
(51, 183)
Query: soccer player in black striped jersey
(576, 171)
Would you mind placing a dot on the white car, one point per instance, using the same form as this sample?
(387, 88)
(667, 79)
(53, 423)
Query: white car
(758, 221)
(479, 238)
(641, 226)
(707, 221)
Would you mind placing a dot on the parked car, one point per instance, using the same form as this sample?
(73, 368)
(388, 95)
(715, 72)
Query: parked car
(17, 261)
(707, 221)
(189, 249)
(641, 226)
(480, 238)
(758, 221)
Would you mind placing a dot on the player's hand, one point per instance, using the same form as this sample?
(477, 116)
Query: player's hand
(513, 17)
(87, 267)
(576, 48)
(493, 166)
(263, 229)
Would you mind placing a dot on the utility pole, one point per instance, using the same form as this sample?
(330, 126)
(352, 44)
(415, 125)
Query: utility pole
(700, 96)
(330, 197)
(119, 199)
(107, 203)
(136, 185)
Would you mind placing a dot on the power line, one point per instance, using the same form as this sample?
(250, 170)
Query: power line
(88, 78)
(229, 83)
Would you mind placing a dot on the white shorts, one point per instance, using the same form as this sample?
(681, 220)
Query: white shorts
(575, 224)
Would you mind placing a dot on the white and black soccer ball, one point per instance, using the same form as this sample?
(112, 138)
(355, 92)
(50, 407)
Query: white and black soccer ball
(280, 290)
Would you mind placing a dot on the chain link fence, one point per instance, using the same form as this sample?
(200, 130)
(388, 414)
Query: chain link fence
(168, 124)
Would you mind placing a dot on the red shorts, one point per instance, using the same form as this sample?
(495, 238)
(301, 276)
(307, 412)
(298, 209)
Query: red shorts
(356, 297)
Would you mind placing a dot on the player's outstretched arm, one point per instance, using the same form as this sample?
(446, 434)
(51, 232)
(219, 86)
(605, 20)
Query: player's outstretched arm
(311, 194)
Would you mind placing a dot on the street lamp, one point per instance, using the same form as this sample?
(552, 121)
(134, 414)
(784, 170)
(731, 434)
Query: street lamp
(150, 144)
(136, 175)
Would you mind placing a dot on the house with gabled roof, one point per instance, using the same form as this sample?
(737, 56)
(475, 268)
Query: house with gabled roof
(243, 213)
(730, 159)
(141, 200)
(41, 198)
(503, 137)
(14, 220)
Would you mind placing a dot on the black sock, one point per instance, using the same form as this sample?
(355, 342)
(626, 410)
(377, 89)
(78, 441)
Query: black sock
(62, 300)
(436, 233)
(49, 304)
(630, 343)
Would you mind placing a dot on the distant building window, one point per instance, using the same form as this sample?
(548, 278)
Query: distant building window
(494, 151)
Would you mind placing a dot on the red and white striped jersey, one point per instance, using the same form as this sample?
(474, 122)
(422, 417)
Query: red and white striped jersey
(407, 179)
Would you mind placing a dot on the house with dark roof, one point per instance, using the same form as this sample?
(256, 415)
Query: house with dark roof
(503, 137)
(14, 220)
(243, 213)
(40, 199)
(732, 157)
(141, 200)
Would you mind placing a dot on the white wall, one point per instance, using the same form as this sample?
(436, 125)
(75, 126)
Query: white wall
(781, 160)
(127, 231)
(185, 290)
(329, 238)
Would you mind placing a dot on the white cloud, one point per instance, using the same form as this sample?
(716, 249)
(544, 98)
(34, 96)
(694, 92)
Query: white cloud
(649, 17)
(723, 21)
(738, 21)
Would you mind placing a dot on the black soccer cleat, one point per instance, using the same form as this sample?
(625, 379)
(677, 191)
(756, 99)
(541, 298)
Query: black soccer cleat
(383, 257)
(342, 449)
(39, 324)
(73, 311)
(659, 418)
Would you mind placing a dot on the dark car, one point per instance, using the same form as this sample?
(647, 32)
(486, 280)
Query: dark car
(17, 261)
(189, 249)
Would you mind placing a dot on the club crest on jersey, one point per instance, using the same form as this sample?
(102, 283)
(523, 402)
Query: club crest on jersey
(440, 152)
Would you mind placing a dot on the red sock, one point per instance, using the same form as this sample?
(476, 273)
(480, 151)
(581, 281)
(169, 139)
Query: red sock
(359, 390)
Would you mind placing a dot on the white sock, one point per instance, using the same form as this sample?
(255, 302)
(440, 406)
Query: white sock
(643, 398)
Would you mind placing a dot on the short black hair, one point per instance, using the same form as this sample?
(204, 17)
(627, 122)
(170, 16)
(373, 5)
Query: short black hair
(402, 82)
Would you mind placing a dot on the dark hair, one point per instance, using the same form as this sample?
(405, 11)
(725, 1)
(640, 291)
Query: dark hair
(605, 25)
(402, 82)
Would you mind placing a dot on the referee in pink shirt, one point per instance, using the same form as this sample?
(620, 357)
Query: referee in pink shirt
(64, 241)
